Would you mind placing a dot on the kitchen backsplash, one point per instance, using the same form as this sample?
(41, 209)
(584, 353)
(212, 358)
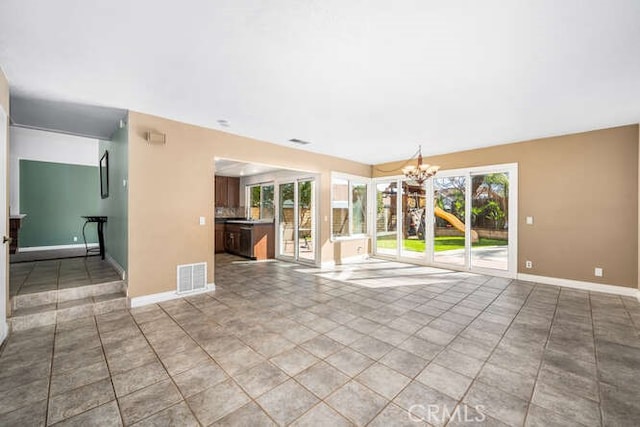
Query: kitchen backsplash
(231, 212)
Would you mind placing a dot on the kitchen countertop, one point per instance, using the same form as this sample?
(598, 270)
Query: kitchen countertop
(249, 221)
(224, 220)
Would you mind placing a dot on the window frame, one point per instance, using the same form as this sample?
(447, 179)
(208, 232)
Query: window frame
(262, 185)
(358, 181)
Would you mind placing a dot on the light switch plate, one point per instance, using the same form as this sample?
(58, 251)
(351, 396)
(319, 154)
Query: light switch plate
(202, 220)
(598, 272)
(529, 220)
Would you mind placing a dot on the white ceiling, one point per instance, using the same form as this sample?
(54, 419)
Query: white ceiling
(365, 80)
(226, 167)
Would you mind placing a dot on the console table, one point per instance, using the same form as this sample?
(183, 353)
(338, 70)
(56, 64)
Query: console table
(99, 220)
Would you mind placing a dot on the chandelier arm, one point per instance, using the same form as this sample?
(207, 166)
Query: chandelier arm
(415, 155)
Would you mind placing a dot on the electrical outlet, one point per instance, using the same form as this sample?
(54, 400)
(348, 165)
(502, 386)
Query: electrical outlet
(202, 220)
(75, 238)
(598, 272)
(529, 220)
(528, 264)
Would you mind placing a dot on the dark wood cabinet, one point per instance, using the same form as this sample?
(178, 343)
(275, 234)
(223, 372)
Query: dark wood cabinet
(251, 240)
(221, 191)
(232, 239)
(219, 243)
(263, 244)
(233, 192)
(227, 191)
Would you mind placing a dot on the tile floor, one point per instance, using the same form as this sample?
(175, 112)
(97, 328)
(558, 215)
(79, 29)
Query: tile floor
(41, 276)
(281, 344)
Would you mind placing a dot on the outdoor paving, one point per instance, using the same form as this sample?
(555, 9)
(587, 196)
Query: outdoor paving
(282, 344)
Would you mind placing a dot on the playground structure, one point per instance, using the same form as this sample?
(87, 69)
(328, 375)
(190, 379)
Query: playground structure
(454, 221)
(416, 222)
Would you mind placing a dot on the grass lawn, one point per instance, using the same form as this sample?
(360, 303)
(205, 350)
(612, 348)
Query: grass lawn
(445, 243)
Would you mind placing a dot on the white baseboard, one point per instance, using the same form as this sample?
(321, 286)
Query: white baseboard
(53, 248)
(121, 271)
(166, 296)
(577, 284)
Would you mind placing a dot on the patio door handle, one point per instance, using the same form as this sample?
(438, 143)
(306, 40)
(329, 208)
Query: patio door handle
(6, 239)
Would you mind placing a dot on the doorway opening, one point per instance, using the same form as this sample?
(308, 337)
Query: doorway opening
(281, 202)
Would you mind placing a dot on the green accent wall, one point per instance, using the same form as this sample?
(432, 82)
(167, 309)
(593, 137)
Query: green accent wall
(115, 207)
(55, 196)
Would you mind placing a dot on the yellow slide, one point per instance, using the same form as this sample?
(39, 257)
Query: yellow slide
(453, 220)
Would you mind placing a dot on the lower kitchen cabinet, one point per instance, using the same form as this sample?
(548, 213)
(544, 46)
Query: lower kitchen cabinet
(251, 240)
(263, 241)
(232, 239)
(219, 242)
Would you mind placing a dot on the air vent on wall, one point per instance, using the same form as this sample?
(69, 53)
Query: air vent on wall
(299, 141)
(192, 277)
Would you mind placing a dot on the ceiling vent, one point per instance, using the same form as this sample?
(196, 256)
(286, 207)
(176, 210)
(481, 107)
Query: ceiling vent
(299, 141)
(192, 277)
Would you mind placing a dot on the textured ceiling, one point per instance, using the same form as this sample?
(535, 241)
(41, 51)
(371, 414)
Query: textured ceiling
(365, 80)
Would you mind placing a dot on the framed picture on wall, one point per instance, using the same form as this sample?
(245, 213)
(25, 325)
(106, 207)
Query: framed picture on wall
(104, 175)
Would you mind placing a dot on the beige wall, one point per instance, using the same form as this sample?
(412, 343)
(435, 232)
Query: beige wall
(4, 102)
(582, 190)
(171, 185)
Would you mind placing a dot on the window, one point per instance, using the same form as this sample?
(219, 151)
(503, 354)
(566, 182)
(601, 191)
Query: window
(260, 201)
(348, 207)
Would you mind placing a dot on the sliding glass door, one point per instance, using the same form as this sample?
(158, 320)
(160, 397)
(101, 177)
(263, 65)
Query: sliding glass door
(467, 225)
(413, 220)
(386, 241)
(449, 216)
(286, 220)
(490, 220)
(296, 220)
(306, 221)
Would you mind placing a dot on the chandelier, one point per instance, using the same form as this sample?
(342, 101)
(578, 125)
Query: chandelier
(421, 172)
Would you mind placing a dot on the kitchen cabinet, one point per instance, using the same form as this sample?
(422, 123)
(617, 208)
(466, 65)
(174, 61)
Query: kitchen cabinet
(232, 239)
(227, 191)
(263, 241)
(221, 191)
(219, 242)
(233, 192)
(251, 239)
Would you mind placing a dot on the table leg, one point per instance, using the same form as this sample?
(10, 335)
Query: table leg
(101, 238)
(84, 237)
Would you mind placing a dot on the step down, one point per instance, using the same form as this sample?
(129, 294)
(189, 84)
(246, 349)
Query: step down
(47, 308)
(67, 294)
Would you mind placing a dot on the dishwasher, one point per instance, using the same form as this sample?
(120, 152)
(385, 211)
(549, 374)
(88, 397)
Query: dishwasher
(246, 240)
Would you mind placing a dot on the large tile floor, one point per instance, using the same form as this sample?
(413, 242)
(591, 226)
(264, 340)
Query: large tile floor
(379, 344)
(54, 274)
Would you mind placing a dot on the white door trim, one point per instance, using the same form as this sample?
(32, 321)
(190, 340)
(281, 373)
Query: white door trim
(4, 231)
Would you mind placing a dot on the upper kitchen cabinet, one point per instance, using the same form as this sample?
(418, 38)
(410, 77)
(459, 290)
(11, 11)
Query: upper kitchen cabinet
(227, 192)
(233, 192)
